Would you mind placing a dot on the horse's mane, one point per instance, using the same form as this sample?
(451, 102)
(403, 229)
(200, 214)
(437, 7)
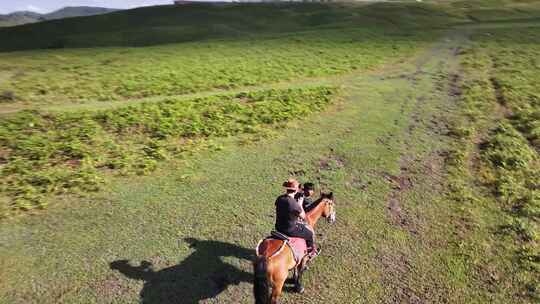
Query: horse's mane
(317, 202)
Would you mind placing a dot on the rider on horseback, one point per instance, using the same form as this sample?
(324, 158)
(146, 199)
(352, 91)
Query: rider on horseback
(308, 191)
(290, 215)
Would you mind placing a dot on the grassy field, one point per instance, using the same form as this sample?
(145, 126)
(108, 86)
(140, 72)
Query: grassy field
(134, 73)
(148, 174)
(501, 104)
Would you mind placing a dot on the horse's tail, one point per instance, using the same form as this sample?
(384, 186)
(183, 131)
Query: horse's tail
(261, 287)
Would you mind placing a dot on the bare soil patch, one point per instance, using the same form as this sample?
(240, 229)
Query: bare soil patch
(396, 265)
(331, 163)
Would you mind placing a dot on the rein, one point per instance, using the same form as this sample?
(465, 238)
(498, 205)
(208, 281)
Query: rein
(313, 205)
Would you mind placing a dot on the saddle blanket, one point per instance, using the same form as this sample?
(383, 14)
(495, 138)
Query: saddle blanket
(299, 248)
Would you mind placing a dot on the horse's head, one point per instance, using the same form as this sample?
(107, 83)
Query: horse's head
(329, 211)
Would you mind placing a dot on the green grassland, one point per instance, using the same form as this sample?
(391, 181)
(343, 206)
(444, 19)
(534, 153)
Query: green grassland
(134, 73)
(140, 160)
(501, 102)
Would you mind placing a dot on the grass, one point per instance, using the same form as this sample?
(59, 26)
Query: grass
(496, 179)
(511, 151)
(133, 73)
(430, 147)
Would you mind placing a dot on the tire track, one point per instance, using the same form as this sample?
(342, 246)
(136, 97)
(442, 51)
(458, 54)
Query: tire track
(438, 71)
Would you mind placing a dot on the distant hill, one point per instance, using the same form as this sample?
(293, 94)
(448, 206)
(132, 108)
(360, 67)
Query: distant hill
(78, 11)
(23, 17)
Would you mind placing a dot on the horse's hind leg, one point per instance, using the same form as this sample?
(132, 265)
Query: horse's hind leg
(297, 283)
(298, 275)
(278, 279)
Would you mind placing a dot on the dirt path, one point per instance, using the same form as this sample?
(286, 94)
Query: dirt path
(435, 75)
(420, 177)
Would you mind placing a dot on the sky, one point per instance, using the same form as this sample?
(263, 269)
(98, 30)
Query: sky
(47, 6)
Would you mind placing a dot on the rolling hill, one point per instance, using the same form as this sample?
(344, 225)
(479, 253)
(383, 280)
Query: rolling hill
(198, 22)
(167, 24)
(18, 18)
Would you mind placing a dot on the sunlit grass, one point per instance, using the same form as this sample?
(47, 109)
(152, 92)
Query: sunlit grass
(69, 76)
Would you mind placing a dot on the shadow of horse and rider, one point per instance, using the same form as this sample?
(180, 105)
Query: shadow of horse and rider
(202, 275)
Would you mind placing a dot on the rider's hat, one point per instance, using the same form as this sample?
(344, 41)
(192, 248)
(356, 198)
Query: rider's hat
(291, 184)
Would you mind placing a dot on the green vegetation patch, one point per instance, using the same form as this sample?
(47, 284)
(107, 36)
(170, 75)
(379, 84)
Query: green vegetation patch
(109, 74)
(497, 181)
(508, 149)
(511, 151)
(513, 170)
(44, 153)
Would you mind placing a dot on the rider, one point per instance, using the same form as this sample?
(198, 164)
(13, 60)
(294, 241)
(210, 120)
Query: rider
(288, 213)
(308, 190)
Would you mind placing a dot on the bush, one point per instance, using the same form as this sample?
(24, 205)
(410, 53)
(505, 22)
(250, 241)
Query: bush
(53, 154)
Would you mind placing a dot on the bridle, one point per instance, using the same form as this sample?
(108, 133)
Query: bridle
(331, 218)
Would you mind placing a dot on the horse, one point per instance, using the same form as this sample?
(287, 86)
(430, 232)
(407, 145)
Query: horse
(275, 258)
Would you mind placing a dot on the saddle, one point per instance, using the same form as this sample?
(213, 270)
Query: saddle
(298, 245)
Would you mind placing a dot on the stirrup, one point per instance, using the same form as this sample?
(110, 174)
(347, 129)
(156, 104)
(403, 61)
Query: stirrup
(299, 289)
(314, 253)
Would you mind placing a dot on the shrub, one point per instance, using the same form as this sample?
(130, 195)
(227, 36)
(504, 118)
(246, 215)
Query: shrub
(63, 153)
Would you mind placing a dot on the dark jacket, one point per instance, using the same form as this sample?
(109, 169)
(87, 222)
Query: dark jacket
(287, 212)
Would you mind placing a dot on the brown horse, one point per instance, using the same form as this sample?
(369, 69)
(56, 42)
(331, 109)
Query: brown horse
(275, 258)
